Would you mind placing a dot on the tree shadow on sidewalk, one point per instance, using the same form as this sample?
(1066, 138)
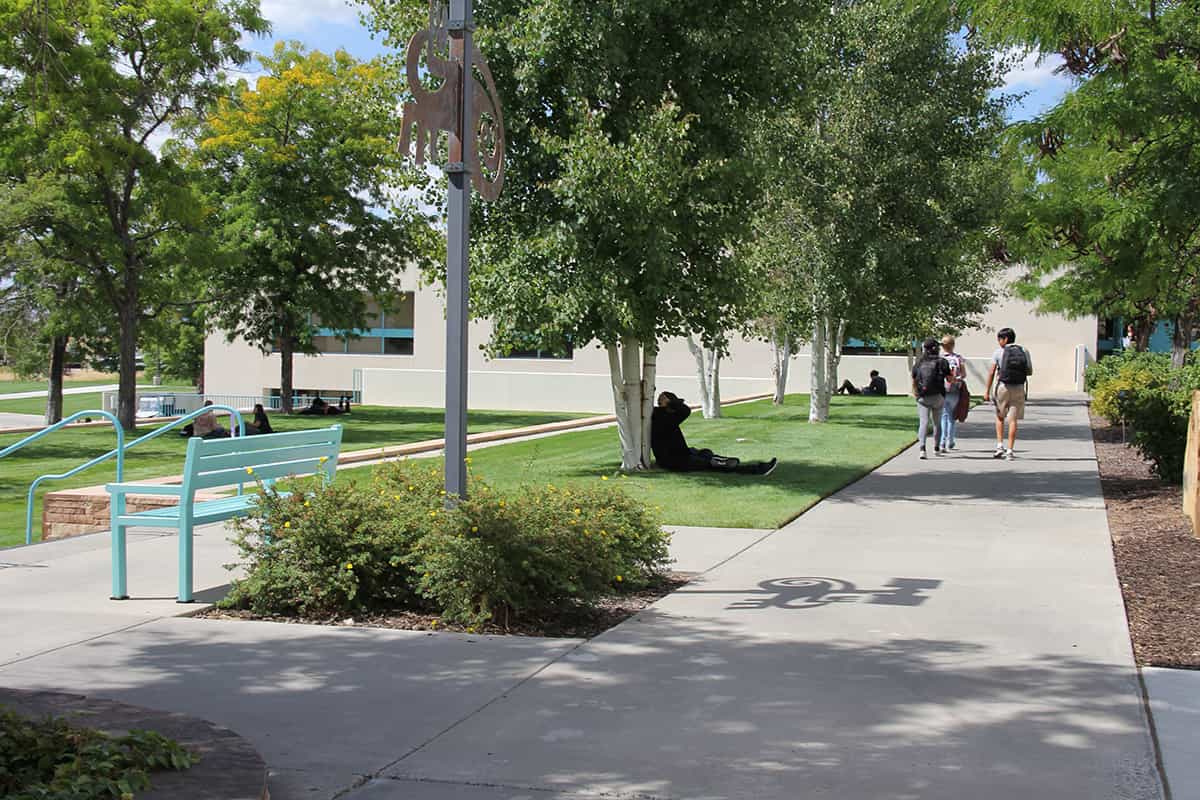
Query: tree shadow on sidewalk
(662, 706)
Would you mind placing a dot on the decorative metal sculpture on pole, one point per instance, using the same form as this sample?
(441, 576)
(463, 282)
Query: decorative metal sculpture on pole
(469, 111)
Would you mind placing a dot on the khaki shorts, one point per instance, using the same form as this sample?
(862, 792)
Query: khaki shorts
(1010, 402)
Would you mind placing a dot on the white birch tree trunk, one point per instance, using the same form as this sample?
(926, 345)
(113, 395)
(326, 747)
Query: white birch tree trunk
(714, 386)
(782, 353)
(708, 373)
(621, 408)
(649, 376)
(826, 356)
(631, 352)
(817, 410)
(632, 371)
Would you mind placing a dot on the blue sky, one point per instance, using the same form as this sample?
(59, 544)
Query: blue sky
(331, 24)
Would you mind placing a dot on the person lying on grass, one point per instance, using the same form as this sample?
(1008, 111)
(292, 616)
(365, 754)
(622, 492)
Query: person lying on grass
(671, 450)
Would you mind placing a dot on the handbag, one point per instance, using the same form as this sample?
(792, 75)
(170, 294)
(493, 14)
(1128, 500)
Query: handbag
(964, 403)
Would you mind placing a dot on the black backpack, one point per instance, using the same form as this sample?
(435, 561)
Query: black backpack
(1014, 365)
(930, 379)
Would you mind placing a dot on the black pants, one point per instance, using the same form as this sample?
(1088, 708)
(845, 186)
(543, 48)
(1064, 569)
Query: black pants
(708, 461)
(848, 388)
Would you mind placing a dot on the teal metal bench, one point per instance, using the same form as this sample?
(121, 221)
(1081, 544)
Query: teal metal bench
(210, 464)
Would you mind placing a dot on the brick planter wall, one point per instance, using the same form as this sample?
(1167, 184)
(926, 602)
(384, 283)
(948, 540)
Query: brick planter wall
(73, 512)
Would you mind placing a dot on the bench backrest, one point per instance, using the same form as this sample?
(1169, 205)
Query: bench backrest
(266, 457)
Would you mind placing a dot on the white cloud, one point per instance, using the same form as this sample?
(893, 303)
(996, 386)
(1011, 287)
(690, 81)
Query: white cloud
(296, 15)
(1032, 72)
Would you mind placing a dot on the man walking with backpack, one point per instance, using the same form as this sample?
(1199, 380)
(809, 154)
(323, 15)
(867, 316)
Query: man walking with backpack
(929, 386)
(1011, 368)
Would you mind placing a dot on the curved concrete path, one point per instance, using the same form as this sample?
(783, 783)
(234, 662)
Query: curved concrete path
(942, 629)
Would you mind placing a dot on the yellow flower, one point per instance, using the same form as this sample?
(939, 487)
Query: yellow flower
(324, 459)
(474, 529)
(349, 565)
(433, 513)
(467, 460)
(443, 491)
(471, 629)
(619, 579)
(501, 504)
(411, 488)
(307, 504)
(287, 524)
(395, 497)
(603, 477)
(433, 624)
(249, 470)
(578, 511)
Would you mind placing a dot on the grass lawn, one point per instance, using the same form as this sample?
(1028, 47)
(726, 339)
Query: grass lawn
(11, 385)
(72, 402)
(63, 450)
(814, 460)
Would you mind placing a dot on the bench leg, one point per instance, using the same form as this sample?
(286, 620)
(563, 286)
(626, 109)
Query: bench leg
(186, 551)
(120, 591)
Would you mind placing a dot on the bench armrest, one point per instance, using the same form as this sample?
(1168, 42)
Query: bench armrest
(144, 488)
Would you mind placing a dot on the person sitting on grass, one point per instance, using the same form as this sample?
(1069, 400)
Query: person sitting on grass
(261, 423)
(876, 388)
(671, 450)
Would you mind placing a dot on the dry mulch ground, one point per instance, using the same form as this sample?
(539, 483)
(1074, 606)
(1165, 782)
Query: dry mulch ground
(573, 622)
(1157, 556)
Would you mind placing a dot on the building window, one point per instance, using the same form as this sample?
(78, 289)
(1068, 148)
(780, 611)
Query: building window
(523, 345)
(565, 353)
(389, 332)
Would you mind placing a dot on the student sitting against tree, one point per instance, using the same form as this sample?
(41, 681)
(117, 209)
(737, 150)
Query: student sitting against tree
(876, 388)
(671, 450)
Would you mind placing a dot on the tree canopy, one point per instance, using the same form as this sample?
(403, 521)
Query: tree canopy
(304, 172)
(87, 89)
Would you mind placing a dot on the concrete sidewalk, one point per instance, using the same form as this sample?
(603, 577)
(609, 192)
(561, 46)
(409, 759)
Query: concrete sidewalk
(942, 629)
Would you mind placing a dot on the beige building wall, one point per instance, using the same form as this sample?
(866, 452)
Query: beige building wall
(582, 384)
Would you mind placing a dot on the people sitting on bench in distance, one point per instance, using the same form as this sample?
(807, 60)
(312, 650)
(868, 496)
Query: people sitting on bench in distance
(671, 450)
(876, 388)
(261, 424)
(206, 426)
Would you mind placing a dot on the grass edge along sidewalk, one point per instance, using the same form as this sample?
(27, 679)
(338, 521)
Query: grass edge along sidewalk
(815, 460)
(163, 457)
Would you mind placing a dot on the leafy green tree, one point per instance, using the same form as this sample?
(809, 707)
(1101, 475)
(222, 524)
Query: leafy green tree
(89, 86)
(892, 181)
(626, 177)
(304, 167)
(1109, 179)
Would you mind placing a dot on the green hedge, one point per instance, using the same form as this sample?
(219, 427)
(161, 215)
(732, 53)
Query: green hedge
(50, 759)
(1144, 392)
(391, 544)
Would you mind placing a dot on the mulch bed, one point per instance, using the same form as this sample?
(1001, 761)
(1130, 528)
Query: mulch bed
(1157, 556)
(574, 622)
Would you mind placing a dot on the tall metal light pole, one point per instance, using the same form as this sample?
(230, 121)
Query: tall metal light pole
(462, 106)
(462, 159)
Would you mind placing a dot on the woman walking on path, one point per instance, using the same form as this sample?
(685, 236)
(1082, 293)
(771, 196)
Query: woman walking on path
(929, 387)
(954, 385)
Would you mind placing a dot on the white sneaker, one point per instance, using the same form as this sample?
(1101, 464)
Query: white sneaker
(922, 455)
(999, 451)
(1009, 455)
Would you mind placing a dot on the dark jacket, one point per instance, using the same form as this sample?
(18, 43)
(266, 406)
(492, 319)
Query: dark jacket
(878, 387)
(666, 440)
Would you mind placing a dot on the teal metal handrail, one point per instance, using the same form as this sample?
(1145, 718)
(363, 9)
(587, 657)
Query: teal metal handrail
(119, 453)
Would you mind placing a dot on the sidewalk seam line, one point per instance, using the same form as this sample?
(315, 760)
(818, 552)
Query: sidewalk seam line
(524, 788)
(41, 653)
(1148, 710)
